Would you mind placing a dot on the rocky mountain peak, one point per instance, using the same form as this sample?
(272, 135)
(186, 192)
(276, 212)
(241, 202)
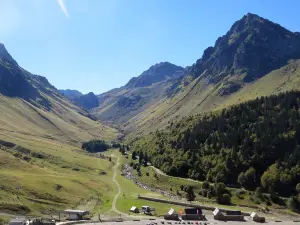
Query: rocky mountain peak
(252, 47)
(4, 55)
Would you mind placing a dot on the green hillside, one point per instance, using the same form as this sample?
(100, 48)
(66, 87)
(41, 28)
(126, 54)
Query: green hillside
(253, 144)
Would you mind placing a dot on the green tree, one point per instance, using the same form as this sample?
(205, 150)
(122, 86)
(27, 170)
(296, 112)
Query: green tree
(141, 157)
(242, 179)
(190, 195)
(146, 159)
(133, 155)
(225, 199)
(205, 185)
(298, 188)
(250, 178)
(220, 189)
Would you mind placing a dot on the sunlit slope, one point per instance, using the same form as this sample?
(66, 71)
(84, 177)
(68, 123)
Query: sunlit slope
(61, 122)
(201, 97)
(42, 176)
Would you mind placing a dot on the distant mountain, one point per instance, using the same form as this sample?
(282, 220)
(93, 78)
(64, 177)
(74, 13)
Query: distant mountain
(88, 101)
(121, 104)
(30, 106)
(156, 73)
(71, 94)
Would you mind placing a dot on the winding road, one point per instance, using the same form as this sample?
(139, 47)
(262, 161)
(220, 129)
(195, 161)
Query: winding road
(113, 205)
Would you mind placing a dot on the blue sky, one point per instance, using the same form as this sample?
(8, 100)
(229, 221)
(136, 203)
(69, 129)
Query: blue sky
(97, 45)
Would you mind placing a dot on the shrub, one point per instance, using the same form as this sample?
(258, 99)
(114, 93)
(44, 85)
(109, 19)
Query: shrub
(205, 185)
(203, 192)
(293, 204)
(298, 188)
(225, 199)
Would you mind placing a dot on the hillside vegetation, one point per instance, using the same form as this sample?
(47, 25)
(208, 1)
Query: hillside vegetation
(254, 144)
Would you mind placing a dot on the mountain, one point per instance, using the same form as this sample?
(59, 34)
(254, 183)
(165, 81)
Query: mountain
(31, 106)
(88, 101)
(156, 73)
(256, 57)
(252, 48)
(71, 94)
(119, 105)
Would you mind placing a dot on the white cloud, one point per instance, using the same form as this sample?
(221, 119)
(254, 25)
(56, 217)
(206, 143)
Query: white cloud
(63, 7)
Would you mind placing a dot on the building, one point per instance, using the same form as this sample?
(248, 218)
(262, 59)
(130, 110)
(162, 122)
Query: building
(193, 214)
(18, 221)
(134, 209)
(256, 218)
(218, 215)
(172, 215)
(74, 214)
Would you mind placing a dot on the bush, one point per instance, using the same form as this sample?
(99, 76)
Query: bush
(209, 194)
(258, 192)
(293, 204)
(225, 199)
(298, 188)
(205, 185)
(203, 192)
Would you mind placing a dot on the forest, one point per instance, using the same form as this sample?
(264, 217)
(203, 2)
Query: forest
(251, 145)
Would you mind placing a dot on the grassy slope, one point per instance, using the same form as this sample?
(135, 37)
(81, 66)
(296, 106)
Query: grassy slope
(33, 184)
(201, 97)
(61, 123)
(57, 132)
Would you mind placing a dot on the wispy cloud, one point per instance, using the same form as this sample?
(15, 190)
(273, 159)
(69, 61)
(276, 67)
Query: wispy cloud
(63, 7)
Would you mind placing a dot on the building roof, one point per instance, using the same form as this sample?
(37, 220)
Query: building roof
(171, 211)
(133, 208)
(254, 214)
(217, 212)
(75, 211)
(18, 220)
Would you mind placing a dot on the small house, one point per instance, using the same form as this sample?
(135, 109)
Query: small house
(256, 218)
(134, 209)
(193, 214)
(75, 214)
(217, 214)
(193, 211)
(18, 221)
(171, 215)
